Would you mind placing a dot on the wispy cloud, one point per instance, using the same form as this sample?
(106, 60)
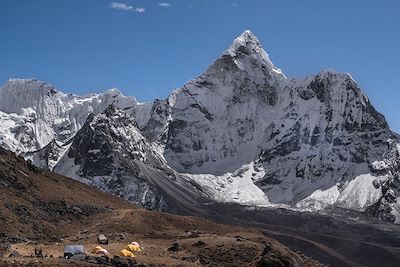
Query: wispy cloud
(123, 6)
(164, 4)
(140, 9)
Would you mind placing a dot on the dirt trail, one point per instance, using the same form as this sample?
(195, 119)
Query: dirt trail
(122, 213)
(115, 216)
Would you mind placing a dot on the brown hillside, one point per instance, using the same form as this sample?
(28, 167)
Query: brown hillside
(40, 208)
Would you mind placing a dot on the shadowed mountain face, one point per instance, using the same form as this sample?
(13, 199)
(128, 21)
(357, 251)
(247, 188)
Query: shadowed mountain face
(110, 153)
(242, 132)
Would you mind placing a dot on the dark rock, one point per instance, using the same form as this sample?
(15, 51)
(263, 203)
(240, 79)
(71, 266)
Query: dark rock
(270, 259)
(337, 141)
(240, 238)
(203, 110)
(268, 179)
(319, 88)
(193, 234)
(306, 94)
(268, 94)
(315, 136)
(123, 262)
(175, 247)
(199, 243)
(14, 254)
(189, 258)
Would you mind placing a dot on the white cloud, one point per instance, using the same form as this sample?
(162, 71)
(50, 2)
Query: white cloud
(140, 9)
(121, 6)
(164, 4)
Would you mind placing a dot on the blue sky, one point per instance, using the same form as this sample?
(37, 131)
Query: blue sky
(146, 48)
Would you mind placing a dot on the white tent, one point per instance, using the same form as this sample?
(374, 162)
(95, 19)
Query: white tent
(71, 250)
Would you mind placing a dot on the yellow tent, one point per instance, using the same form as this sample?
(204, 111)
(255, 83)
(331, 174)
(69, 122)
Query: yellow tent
(133, 248)
(126, 253)
(96, 249)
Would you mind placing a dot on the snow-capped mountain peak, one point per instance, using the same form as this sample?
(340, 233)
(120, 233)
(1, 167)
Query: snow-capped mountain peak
(34, 112)
(247, 50)
(246, 39)
(17, 95)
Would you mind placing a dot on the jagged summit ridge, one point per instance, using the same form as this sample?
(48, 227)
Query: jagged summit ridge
(247, 44)
(246, 40)
(19, 94)
(34, 112)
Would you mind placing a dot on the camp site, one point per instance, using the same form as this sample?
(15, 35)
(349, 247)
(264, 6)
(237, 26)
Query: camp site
(116, 253)
(101, 252)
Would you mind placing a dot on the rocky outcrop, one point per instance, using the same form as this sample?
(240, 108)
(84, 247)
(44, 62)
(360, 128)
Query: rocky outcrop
(110, 153)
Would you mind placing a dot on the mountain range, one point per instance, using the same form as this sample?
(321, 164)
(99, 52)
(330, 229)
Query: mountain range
(241, 132)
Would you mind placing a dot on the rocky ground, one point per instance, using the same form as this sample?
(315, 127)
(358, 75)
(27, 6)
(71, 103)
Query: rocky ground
(337, 238)
(170, 241)
(39, 208)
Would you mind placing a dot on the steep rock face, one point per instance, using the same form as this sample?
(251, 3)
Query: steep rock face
(110, 153)
(388, 205)
(329, 135)
(219, 120)
(156, 127)
(105, 153)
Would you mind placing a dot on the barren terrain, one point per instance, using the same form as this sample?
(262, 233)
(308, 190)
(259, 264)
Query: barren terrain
(39, 208)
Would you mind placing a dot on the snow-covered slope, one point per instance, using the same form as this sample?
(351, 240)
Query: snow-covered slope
(47, 157)
(33, 113)
(240, 132)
